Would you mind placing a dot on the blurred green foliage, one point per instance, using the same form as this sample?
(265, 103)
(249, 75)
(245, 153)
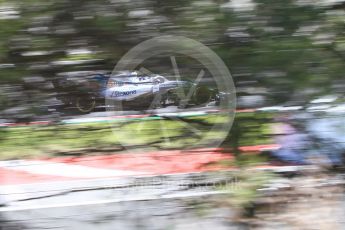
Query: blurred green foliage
(93, 138)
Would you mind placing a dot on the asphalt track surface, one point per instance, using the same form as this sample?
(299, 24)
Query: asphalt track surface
(141, 202)
(70, 116)
(171, 110)
(122, 191)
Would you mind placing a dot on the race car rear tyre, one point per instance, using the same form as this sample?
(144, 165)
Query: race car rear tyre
(85, 103)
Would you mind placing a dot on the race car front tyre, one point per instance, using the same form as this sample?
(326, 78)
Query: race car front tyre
(85, 103)
(202, 95)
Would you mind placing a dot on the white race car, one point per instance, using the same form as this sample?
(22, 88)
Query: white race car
(133, 90)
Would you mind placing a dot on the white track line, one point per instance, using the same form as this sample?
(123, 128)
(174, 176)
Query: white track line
(13, 192)
(108, 201)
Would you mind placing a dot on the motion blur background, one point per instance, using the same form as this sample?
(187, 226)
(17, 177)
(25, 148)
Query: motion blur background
(277, 51)
(287, 59)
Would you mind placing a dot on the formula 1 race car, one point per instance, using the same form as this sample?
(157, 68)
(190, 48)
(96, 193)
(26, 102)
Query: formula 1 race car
(133, 90)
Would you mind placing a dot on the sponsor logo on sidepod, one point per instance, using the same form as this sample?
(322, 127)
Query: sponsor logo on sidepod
(125, 93)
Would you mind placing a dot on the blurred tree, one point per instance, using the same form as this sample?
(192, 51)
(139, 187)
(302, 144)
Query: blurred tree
(289, 51)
